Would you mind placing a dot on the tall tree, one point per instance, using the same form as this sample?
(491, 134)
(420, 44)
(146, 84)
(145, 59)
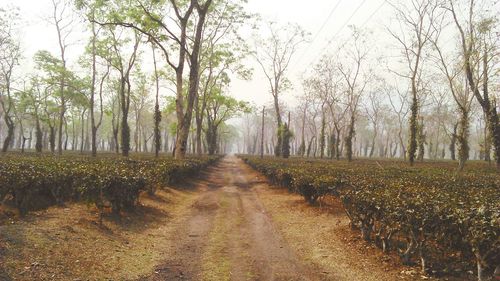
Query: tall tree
(463, 97)
(415, 29)
(222, 51)
(400, 107)
(157, 112)
(374, 114)
(63, 23)
(50, 72)
(323, 86)
(151, 19)
(9, 59)
(475, 35)
(95, 49)
(34, 99)
(356, 76)
(274, 55)
(124, 63)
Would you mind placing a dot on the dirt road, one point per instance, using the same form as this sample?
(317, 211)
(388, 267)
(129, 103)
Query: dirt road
(230, 234)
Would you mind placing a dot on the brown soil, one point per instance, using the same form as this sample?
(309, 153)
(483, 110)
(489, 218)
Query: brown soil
(67, 243)
(230, 236)
(229, 225)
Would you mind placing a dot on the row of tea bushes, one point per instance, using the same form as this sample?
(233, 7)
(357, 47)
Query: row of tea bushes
(413, 210)
(37, 182)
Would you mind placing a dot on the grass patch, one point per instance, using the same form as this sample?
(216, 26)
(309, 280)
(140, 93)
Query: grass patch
(215, 261)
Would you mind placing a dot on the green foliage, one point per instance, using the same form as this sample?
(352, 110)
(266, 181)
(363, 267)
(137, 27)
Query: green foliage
(52, 71)
(104, 181)
(424, 206)
(48, 63)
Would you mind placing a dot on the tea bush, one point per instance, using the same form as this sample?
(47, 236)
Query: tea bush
(411, 209)
(34, 182)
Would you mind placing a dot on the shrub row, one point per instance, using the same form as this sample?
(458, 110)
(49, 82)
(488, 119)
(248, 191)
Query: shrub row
(412, 210)
(37, 182)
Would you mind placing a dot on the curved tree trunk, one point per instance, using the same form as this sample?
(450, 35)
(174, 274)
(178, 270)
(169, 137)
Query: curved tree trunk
(10, 133)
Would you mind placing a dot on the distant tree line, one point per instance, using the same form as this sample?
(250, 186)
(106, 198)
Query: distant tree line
(434, 97)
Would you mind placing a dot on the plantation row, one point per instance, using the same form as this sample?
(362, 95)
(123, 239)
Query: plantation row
(37, 182)
(423, 212)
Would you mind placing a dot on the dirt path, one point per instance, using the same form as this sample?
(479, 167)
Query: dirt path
(240, 228)
(229, 236)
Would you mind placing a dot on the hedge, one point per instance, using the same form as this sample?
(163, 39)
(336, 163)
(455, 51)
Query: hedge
(37, 182)
(426, 207)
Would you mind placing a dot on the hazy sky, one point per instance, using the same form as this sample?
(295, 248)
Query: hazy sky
(326, 20)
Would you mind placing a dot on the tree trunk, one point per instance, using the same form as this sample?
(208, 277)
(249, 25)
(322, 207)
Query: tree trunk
(82, 145)
(125, 129)
(412, 147)
(137, 131)
(453, 142)
(157, 113)
(337, 144)
(116, 144)
(62, 111)
(66, 137)
(262, 133)
(38, 136)
(421, 141)
(52, 139)
(463, 137)
(487, 142)
(10, 132)
(184, 118)
(349, 138)
(212, 139)
(92, 93)
(279, 133)
(322, 136)
(125, 134)
(331, 145)
(309, 146)
(74, 141)
(372, 149)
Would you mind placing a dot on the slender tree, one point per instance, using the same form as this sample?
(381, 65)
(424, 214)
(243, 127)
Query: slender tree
(462, 96)
(355, 77)
(63, 24)
(470, 34)
(274, 55)
(415, 29)
(124, 67)
(9, 59)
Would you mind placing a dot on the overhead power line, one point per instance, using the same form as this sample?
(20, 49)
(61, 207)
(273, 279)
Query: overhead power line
(345, 24)
(319, 31)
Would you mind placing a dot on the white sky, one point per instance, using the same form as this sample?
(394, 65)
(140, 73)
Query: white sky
(312, 15)
(38, 34)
